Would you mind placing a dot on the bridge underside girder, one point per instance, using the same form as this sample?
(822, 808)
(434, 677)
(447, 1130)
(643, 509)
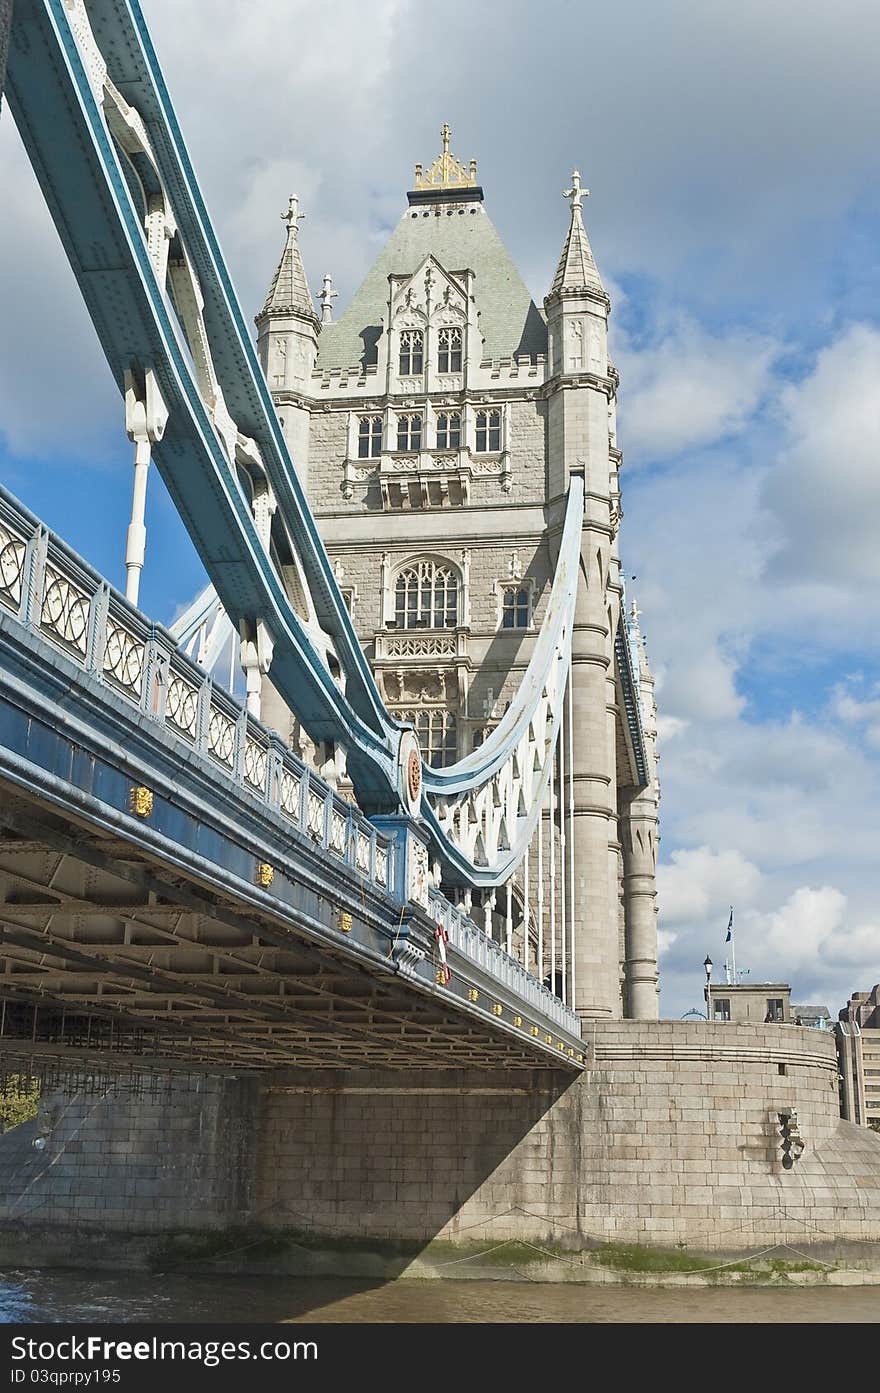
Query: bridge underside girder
(105, 951)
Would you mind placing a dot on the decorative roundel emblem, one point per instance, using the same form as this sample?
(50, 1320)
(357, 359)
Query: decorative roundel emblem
(414, 775)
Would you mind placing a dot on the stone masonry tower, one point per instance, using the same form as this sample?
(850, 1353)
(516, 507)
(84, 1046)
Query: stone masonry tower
(438, 422)
(287, 341)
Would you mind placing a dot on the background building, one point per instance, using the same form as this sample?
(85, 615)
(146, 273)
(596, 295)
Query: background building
(437, 424)
(858, 1050)
(758, 1002)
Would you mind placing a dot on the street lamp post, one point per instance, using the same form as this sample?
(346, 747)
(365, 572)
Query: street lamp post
(707, 967)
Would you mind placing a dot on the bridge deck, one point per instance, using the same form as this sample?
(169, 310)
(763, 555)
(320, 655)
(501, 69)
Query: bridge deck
(210, 924)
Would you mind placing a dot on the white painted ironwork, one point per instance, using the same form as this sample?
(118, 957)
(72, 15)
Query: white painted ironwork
(486, 806)
(291, 792)
(255, 763)
(124, 657)
(337, 832)
(315, 814)
(64, 612)
(182, 705)
(362, 853)
(221, 736)
(12, 554)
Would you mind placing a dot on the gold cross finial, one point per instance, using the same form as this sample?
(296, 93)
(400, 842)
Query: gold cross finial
(445, 133)
(575, 193)
(292, 217)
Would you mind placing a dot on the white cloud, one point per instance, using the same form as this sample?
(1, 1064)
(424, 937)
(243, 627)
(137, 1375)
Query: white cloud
(824, 493)
(690, 388)
(795, 934)
(697, 884)
(854, 711)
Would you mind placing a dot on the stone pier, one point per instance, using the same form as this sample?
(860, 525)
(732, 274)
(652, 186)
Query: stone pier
(671, 1137)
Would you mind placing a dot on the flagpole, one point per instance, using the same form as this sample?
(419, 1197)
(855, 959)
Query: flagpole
(733, 947)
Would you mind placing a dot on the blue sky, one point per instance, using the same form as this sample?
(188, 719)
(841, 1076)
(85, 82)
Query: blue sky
(735, 214)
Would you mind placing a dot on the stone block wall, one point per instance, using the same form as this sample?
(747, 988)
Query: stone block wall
(175, 1154)
(671, 1136)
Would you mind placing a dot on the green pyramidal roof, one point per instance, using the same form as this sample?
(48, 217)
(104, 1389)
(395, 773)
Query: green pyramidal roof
(461, 237)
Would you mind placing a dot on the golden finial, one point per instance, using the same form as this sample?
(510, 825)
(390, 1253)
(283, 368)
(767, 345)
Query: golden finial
(446, 172)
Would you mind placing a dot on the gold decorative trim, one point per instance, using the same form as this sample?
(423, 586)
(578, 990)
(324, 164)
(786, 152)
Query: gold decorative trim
(447, 172)
(140, 801)
(517, 1020)
(473, 994)
(264, 874)
(345, 921)
(497, 1009)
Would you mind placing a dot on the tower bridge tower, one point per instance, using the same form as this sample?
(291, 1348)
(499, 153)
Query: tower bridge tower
(438, 422)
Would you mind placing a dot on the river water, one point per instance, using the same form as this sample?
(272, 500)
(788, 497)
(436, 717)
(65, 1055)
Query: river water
(52, 1296)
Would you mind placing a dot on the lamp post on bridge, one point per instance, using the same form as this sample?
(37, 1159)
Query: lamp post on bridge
(707, 967)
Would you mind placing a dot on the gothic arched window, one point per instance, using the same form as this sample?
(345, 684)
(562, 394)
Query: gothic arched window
(488, 432)
(411, 352)
(426, 596)
(409, 432)
(448, 430)
(516, 607)
(449, 350)
(369, 437)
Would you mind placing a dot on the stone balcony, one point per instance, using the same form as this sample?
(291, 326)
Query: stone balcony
(425, 478)
(422, 666)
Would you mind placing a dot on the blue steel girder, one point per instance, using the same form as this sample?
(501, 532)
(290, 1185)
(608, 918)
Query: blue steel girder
(76, 69)
(81, 176)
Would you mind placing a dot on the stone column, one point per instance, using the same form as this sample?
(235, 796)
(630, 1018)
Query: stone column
(579, 443)
(638, 835)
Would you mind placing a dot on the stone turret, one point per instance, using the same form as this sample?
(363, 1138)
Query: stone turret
(287, 341)
(580, 394)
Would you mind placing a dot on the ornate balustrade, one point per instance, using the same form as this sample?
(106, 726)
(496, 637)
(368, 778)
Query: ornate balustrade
(408, 645)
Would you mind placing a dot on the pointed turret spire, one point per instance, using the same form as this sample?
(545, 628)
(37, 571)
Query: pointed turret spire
(289, 292)
(577, 270)
(327, 296)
